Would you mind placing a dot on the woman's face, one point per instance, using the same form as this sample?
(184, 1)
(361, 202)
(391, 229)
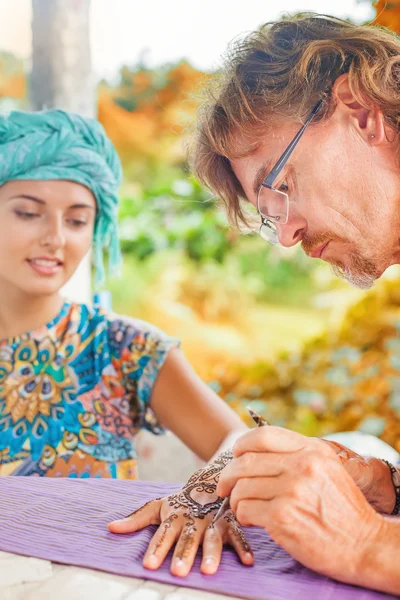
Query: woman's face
(46, 229)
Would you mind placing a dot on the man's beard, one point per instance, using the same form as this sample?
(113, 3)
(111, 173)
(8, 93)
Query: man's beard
(360, 272)
(363, 279)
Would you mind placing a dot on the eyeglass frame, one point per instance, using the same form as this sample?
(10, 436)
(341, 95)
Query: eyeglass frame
(267, 221)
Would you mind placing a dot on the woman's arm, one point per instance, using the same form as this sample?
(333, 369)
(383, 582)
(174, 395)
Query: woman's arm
(185, 405)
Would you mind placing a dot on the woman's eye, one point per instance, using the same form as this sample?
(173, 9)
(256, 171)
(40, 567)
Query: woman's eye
(22, 214)
(77, 222)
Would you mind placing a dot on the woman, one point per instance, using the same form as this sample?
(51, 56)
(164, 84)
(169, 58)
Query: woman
(76, 383)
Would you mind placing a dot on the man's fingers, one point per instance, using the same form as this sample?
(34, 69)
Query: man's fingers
(186, 548)
(162, 542)
(212, 550)
(149, 514)
(253, 512)
(271, 439)
(251, 464)
(343, 453)
(257, 488)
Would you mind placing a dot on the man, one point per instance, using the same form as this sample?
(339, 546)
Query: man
(304, 127)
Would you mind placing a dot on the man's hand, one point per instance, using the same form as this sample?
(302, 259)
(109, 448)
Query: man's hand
(371, 475)
(187, 518)
(298, 490)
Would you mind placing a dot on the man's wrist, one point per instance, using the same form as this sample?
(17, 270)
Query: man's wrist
(378, 558)
(383, 495)
(395, 475)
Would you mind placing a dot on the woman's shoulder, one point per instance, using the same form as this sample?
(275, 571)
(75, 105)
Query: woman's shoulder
(115, 321)
(119, 326)
(119, 332)
(131, 331)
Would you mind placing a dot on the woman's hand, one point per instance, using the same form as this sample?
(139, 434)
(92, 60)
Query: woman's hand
(187, 519)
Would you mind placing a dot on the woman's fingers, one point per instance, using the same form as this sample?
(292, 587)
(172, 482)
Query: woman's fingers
(162, 541)
(149, 514)
(190, 533)
(212, 550)
(187, 546)
(226, 530)
(237, 539)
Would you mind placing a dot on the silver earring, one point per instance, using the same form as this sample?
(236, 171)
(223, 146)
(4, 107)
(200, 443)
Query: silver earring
(372, 136)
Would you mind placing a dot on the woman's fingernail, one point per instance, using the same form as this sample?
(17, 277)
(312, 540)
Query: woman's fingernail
(179, 563)
(248, 556)
(152, 560)
(209, 561)
(118, 521)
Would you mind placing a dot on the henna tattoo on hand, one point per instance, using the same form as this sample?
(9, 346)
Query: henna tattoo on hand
(237, 531)
(205, 480)
(187, 538)
(167, 524)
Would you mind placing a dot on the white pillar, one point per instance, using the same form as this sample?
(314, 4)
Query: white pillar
(78, 288)
(62, 78)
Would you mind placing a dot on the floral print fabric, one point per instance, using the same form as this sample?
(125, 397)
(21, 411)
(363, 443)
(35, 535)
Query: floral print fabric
(74, 392)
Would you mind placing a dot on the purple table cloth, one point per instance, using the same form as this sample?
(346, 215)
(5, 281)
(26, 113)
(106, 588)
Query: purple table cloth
(64, 520)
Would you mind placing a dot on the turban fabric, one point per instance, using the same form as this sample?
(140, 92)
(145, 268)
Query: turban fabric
(54, 145)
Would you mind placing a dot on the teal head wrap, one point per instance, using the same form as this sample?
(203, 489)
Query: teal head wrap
(58, 145)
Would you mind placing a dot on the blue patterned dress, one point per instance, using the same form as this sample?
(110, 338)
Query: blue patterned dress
(74, 392)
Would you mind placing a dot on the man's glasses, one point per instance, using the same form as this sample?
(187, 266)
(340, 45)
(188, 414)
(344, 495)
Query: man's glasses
(273, 204)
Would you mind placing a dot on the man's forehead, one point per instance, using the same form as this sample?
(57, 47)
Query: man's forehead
(260, 143)
(253, 169)
(262, 172)
(256, 158)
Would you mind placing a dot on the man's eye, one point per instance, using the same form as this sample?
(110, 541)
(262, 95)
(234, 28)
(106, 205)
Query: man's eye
(284, 187)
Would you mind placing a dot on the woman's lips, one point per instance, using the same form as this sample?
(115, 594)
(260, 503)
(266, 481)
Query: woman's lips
(47, 267)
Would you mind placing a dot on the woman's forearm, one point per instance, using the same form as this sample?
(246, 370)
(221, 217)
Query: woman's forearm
(228, 443)
(190, 409)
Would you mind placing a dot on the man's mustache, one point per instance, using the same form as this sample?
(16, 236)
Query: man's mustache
(311, 242)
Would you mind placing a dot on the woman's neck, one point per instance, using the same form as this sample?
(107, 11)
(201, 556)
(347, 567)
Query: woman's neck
(21, 313)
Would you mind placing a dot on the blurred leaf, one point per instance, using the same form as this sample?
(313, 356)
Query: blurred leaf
(388, 14)
(372, 425)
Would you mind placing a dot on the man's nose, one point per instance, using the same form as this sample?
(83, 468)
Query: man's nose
(290, 233)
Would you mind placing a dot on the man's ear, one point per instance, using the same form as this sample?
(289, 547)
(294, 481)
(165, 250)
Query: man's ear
(366, 118)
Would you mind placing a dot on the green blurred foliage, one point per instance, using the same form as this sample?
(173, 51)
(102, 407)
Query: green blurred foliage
(177, 214)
